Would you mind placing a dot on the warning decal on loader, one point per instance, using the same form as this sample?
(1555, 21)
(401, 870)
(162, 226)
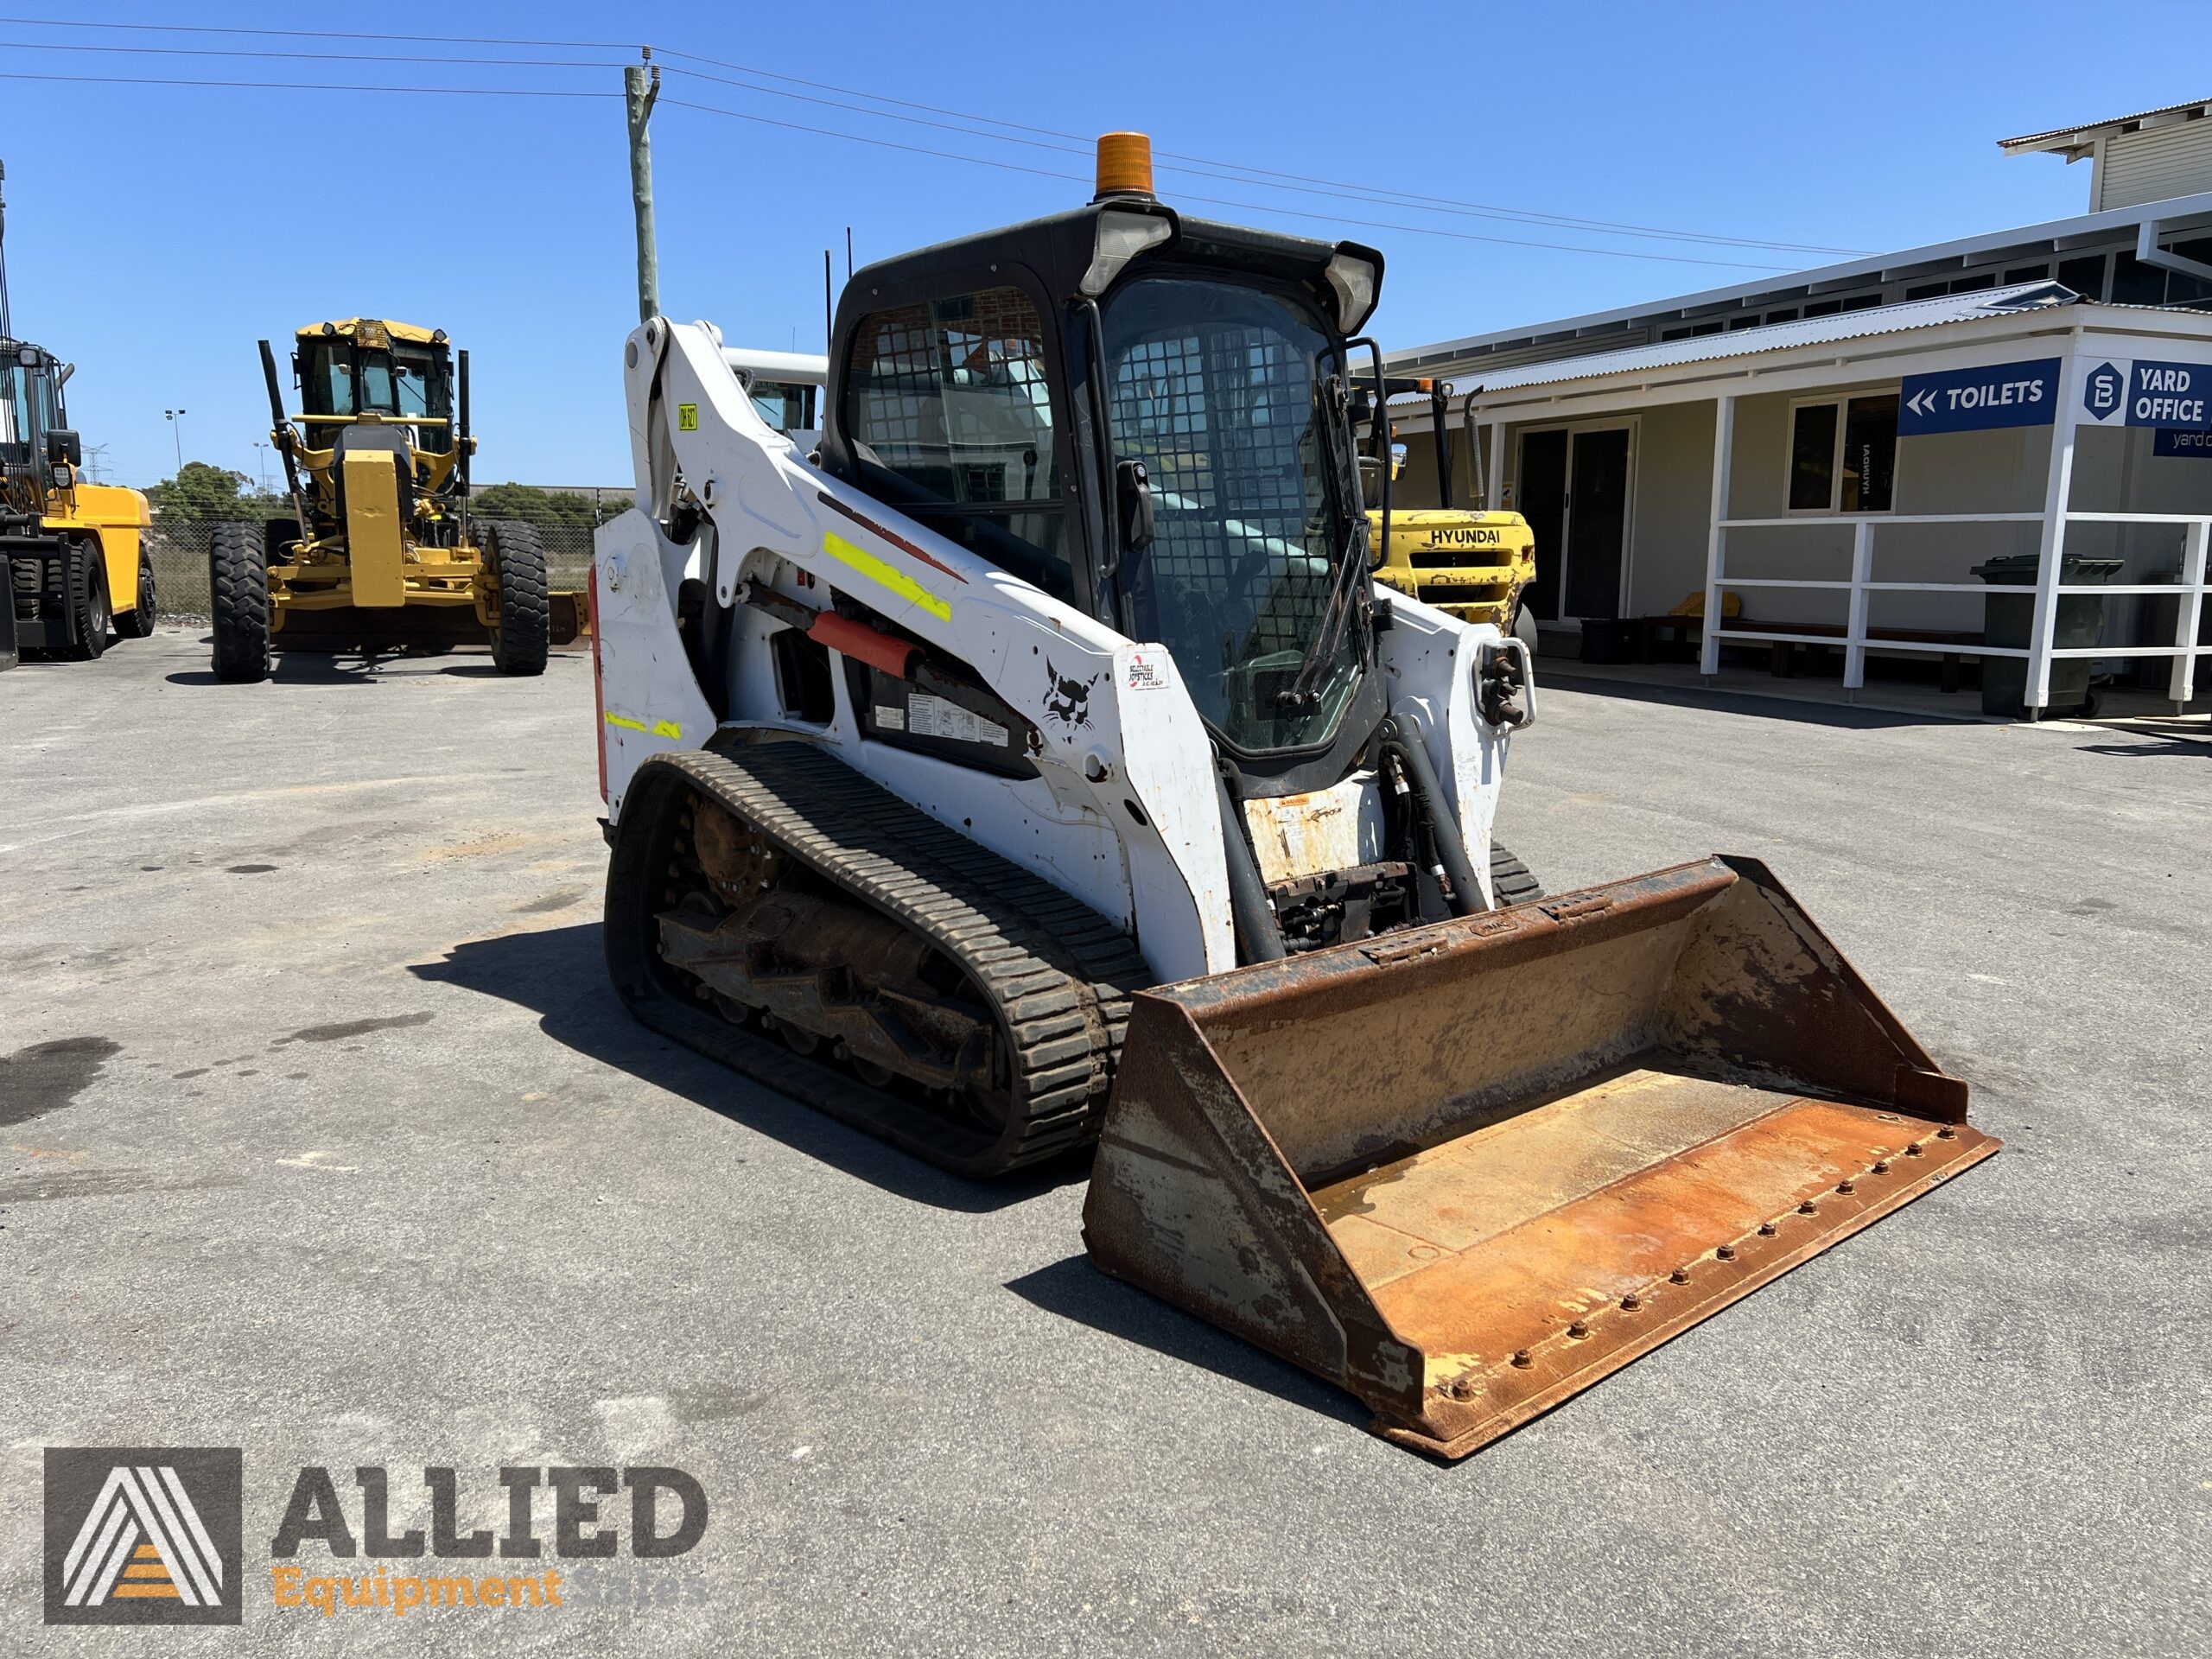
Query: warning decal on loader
(687, 417)
(877, 571)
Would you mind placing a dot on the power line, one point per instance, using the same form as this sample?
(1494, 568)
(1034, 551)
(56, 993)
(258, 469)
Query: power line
(1197, 166)
(858, 138)
(304, 85)
(1214, 202)
(310, 57)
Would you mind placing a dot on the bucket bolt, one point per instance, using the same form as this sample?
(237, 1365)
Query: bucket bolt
(1766, 1230)
(1726, 1253)
(1946, 1134)
(1808, 1208)
(1630, 1302)
(1881, 1166)
(1914, 1150)
(1847, 1187)
(1678, 1276)
(1578, 1330)
(1463, 1387)
(1521, 1358)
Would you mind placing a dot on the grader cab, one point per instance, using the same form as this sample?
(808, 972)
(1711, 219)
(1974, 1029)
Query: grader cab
(381, 552)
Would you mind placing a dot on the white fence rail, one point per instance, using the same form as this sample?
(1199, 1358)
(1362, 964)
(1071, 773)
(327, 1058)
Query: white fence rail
(1860, 636)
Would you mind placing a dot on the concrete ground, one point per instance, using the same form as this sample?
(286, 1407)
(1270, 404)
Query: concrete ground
(324, 1137)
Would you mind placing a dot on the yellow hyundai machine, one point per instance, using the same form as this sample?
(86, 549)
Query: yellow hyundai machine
(381, 552)
(73, 553)
(1471, 564)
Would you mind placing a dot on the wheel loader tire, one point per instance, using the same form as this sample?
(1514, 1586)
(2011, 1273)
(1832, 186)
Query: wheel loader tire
(1509, 880)
(522, 617)
(1524, 627)
(237, 580)
(90, 615)
(138, 621)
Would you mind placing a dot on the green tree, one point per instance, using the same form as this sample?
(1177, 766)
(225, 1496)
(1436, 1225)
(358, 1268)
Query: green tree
(568, 509)
(200, 493)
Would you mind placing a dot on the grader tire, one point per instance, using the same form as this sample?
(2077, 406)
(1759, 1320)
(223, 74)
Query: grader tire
(238, 575)
(522, 626)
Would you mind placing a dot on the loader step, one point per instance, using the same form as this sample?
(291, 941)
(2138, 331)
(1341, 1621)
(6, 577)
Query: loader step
(1054, 975)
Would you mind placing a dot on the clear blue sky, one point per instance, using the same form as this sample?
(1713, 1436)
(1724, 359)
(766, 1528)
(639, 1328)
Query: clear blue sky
(156, 232)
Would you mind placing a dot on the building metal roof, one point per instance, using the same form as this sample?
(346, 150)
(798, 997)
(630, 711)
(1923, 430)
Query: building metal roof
(1989, 304)
(2068, 136)
(2053, 235)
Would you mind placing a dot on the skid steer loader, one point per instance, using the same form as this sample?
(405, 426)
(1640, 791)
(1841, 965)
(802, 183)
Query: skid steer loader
(73, 554)
(380, 553)
(1037, 765)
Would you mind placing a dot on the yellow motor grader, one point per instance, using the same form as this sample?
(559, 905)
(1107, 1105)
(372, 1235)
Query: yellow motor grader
(381, 553)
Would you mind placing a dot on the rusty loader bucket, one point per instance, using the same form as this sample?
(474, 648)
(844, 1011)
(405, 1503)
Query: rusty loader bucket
(1466, 1171)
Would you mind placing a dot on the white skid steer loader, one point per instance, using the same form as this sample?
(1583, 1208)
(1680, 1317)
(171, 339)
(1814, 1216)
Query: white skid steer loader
(1036, 765)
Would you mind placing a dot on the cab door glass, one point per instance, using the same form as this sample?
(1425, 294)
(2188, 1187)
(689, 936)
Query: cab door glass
(951, 397)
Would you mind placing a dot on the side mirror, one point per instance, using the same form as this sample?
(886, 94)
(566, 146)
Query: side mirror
(1133, 500)
(1397, 458)
(64, 448)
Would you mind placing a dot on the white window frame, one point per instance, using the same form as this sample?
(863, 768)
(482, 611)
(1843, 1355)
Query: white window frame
(1841, 402)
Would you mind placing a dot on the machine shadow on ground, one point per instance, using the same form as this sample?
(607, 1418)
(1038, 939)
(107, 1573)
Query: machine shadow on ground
(1751, 703)
(561, 975)
(1075, 1290)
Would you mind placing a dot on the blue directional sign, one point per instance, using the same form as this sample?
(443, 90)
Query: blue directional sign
(1979, 400)
(2171, 395)
(2137, 391)
(2168, 442)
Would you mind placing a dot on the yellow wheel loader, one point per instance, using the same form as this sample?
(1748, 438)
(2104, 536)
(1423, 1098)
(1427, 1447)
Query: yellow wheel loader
(1468, 562)
(381, 552)
(1034, 767)
(73, 553)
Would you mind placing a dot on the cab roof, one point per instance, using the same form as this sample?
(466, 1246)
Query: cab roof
(362, 327)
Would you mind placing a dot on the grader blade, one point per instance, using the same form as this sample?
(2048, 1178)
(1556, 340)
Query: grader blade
(1466, 1171)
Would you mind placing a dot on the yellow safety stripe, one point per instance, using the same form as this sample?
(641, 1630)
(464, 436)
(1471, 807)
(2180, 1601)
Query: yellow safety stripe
(660, 729)
(876, 570)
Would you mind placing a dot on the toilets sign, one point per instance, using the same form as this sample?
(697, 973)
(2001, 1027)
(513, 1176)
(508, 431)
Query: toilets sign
(1979, 400)
(2124, 391)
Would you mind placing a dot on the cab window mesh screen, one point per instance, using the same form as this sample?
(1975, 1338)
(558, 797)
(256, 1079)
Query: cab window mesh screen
(951, 397)
(1213, 387)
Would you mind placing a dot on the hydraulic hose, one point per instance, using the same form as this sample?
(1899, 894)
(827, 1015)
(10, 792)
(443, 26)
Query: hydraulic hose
(1259, 935)
(1467, 893)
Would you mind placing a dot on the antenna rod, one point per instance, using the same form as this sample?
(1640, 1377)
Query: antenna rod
(6, 330)
(848, 254)
(828, 312)
(638, 93)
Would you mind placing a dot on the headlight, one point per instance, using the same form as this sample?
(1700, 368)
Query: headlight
(1354, 279)
(1120, 238)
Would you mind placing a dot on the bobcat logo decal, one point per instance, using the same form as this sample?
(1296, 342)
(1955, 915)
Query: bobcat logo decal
(1067, 702)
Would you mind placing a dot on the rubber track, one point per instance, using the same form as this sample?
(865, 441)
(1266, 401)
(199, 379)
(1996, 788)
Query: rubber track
(1509, 880)
(1059, 973)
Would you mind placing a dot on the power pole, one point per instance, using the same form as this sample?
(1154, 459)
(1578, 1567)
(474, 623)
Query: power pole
(638, 93)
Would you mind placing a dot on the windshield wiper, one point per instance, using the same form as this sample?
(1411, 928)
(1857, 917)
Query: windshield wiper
(1345, 588)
